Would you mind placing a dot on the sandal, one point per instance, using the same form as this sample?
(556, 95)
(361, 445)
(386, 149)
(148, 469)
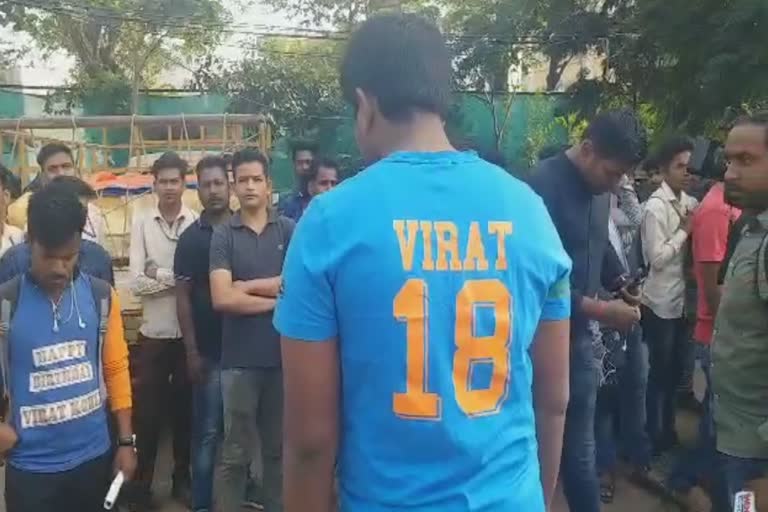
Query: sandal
(607, 488)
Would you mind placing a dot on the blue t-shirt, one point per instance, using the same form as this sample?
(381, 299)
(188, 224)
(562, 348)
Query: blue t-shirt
(58, 403)
(433, 272)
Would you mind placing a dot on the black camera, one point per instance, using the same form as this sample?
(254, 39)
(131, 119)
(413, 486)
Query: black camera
(708, 159)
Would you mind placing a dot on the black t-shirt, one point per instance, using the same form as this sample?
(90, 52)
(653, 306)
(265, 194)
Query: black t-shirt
(191, 263)
(250, 341)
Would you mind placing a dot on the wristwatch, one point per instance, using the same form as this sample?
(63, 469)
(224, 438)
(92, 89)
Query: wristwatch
(127, 441)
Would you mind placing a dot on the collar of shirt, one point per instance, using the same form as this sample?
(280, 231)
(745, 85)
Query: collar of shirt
(574, 174)
(665, 192)
(762, 218)
(205, 221)
(237, 222)
(173, 230)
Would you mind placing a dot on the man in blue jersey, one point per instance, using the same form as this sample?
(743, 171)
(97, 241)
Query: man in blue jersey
(444, 305)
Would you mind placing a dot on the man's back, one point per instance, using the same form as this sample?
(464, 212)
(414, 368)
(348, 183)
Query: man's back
(441, 266)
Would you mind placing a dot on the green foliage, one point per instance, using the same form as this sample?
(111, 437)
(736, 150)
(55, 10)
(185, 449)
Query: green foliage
(116, 42)
(686, 75)
(345, 14)
(294, 81)
(492, 36)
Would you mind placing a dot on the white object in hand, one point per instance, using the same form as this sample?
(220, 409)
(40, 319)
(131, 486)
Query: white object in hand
(744, 502)
(114, 490)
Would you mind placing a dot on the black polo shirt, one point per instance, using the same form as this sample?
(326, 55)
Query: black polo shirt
(250, 341)
(191, 263)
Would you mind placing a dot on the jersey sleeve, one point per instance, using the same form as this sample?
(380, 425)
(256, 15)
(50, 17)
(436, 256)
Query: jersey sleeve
(306, 307)
(557, 269)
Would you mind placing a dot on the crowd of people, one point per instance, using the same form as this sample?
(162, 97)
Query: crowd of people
(434, 334)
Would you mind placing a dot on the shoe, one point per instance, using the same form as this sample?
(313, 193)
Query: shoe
(252, 504)
(253, 498)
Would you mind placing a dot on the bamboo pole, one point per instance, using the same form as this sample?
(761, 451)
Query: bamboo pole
(125, 121)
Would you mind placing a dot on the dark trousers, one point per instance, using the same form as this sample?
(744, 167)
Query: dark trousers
(161, 391)
(253, 410)
(623, 404)
(578, 470)
(667, 344)
(700, 463)
(81, 489)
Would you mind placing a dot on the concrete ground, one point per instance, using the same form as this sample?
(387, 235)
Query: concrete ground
(628, 497)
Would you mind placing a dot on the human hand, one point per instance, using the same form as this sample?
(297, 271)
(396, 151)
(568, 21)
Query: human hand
(8, 438)
(240, 285)
(619, 315)
(276, 285)
(125, 461)
(687, 223)
(151, 269)
(196, 367)
(631, 294)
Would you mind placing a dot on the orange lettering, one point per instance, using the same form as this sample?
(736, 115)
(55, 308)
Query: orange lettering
(428, 262)
(501, 230)
(447, 243)
(407, 242)
(475, 256)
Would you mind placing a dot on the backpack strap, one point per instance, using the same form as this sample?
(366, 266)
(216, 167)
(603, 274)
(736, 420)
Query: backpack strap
(762, 269)
(102, 299)
(9, 295)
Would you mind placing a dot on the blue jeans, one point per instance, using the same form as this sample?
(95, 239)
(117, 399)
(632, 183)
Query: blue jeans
(206, 431)
(633, 383)
(625, 401)
(578, 469)
(736, 472)
(699, 464)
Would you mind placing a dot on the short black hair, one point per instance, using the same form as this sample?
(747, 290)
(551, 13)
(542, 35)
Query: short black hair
(551, 150)
(248, 155)
(54, 148)
(327, 163)
(669, 149)
(169, 160)
(618, 135)
(74, 185)
(493, 156)
(209, 162)
(756, 119)
(403, 61)
(10, 182)
(55, 215)
(302, 145)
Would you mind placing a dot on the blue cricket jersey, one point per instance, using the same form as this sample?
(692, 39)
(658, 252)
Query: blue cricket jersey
(433, 271)
(59, 410)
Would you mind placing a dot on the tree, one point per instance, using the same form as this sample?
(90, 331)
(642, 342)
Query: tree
(690, 74)
(492, 36)
(345, 14)
(295, 81)
(119, 45)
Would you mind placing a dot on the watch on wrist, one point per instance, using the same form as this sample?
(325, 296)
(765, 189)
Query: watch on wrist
(127, 441)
